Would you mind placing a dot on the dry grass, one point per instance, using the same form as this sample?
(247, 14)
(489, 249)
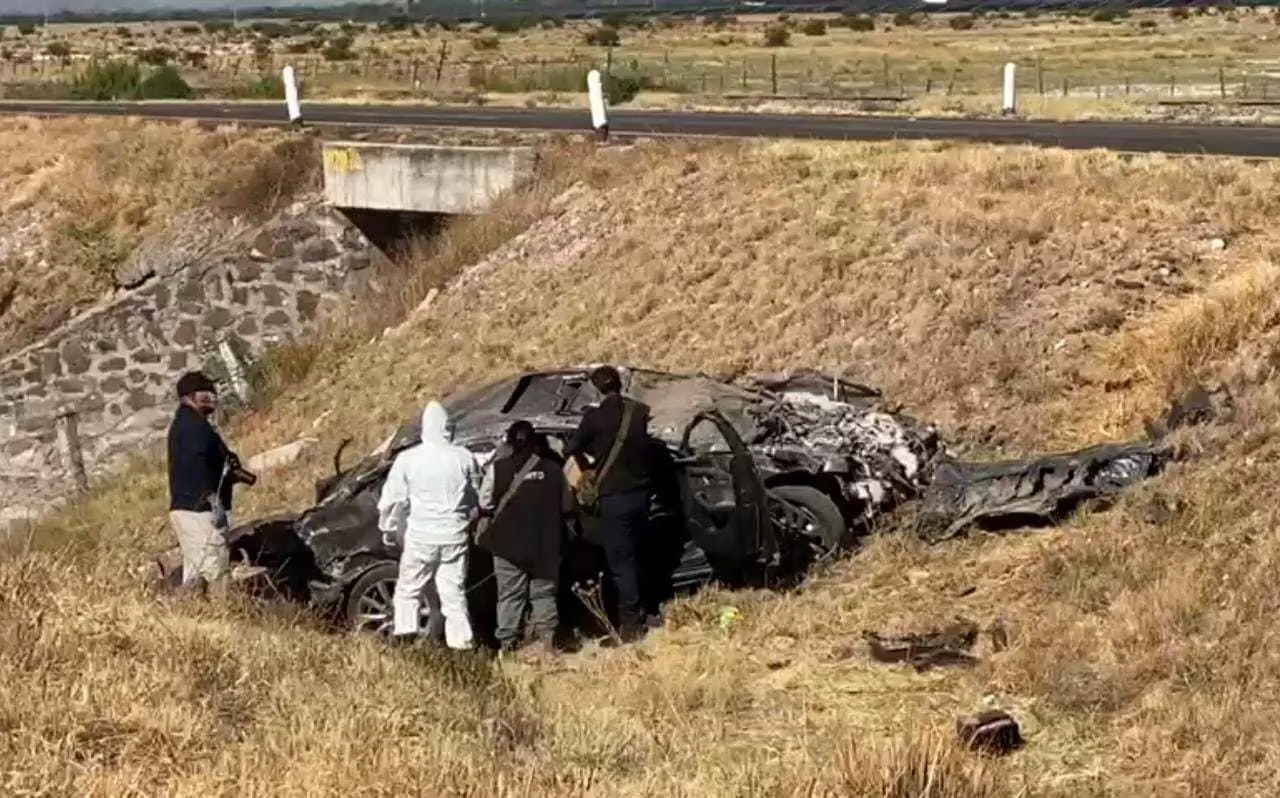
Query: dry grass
(1107, 68)
(79, 196)
(1026, 297)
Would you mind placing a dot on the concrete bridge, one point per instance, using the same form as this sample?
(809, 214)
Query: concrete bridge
(421, 178)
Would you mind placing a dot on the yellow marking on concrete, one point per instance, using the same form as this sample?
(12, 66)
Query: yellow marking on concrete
(345, 159)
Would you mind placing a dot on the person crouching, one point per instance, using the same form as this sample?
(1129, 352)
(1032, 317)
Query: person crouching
(524, 501)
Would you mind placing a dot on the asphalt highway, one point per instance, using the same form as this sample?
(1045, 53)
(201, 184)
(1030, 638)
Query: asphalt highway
(1257, 141)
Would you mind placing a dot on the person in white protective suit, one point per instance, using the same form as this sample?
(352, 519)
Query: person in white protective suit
(427, 502)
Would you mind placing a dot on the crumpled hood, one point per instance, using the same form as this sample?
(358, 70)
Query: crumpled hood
(435, 424)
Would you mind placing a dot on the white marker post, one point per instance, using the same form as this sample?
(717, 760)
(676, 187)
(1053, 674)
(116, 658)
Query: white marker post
(291, 97)
(1007, 102)
(595, 97)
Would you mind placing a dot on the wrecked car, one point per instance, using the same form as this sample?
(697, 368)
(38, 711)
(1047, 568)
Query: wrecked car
(725, 507)
(764, 476)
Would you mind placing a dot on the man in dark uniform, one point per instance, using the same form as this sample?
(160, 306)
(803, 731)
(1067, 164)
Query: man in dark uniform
(525, 499)
(202, 473)
(624, 485)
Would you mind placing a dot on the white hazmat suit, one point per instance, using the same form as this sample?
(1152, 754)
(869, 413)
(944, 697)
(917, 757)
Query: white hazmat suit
(427, 501)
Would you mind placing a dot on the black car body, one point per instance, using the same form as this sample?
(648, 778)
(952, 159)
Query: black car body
(715, 514)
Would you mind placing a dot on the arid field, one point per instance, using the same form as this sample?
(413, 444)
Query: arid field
(1024, 299)
(1100, 63)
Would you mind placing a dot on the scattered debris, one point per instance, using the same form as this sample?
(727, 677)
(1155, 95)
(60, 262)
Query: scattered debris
(991, 731)
(1161, 509)
(1199, 405)
(999, 635)
(1025, 492)
(948, 646)
(280, 456)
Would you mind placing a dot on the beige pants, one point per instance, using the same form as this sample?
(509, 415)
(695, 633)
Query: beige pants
(204, 549)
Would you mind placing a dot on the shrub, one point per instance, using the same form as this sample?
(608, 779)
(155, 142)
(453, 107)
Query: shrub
(776, 36)
(859, 23)
(486, 42)
(1147, 24)
(1180, 12)
(815, 27)
(107, 80)
(26, 29)
(511, 24)
(196, 59)
(59, 50)
(338, 49)
(905, 19)
(156, 56)
(1110, 14)
(961, 23)
(603, 37)
(267, 87)
(270, 30)
(215, 27)
(165, 84)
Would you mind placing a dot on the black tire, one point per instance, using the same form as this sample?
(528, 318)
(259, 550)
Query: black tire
(828, 522)
(368, 591)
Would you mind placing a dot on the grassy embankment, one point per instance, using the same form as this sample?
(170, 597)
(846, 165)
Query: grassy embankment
(1024, 299)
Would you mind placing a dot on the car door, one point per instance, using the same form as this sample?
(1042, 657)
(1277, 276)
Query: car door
(724, 497)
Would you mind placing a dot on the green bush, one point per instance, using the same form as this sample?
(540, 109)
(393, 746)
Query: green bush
(165, 84)
(603, 37)
(339, 49)
(961, 23)
(905, 19)
(776, 36)
(814, 27)
(26, 29)
(108, 80)
(1110, 14)
(116, 79)
(1180, 12)
(859, 23)
(156, 56)
(59, 50)
(486, 42)
(267, 87)
(511, 24)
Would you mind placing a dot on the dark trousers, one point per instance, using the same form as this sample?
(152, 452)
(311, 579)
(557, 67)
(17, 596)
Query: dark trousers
(518, 591)
(623, 520)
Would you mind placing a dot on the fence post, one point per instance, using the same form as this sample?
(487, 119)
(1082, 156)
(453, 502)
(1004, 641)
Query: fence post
(773, 73)
(1007, 100)
(291, 98)
(595, 98)
(70, 449)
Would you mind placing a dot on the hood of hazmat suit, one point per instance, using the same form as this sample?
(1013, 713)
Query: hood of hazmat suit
(431, 488)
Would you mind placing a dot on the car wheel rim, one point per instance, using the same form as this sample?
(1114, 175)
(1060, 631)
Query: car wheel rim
(374, 612)
(799, 522)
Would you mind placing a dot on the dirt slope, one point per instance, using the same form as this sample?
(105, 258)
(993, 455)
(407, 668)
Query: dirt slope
(1021, 298)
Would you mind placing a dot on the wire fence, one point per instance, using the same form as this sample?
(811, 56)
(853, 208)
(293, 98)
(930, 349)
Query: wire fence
(395, 58)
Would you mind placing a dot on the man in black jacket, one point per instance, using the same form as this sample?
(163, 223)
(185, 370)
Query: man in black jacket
(526, 536)
(202, 473)
(624, 488)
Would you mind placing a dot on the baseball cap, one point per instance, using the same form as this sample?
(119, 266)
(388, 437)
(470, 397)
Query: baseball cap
(194, 381)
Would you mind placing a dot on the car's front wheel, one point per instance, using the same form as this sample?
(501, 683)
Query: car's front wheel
(369, 602)
(805, 514)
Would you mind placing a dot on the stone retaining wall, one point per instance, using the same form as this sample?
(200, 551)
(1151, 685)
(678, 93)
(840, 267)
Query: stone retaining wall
(114, 366)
